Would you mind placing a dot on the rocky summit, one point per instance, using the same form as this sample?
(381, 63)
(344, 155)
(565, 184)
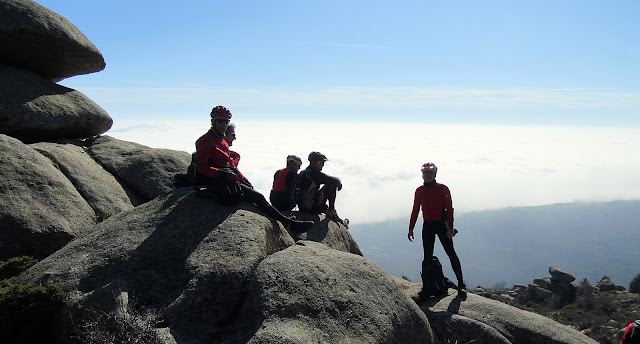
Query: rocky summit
(111, 230)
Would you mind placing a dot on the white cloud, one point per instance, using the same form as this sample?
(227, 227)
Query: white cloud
(485, 167)
(193, 100)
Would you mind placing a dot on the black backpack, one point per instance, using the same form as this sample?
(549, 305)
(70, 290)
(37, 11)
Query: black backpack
(433, 281)
(181, 180)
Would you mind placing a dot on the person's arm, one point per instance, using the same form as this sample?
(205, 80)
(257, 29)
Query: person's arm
(448, 206)
(288, 183)
(203, 153)
(322, 178)
(414, 214)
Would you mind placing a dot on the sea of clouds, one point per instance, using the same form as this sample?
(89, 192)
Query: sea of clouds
(486, 167)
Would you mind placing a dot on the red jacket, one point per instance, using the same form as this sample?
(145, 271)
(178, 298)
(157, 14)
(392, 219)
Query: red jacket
(434, 200)
(212, 152)
(283, 180)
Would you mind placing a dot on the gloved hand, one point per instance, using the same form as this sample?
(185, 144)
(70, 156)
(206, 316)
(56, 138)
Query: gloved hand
(451, 232)
(229, 176)
(233, 178)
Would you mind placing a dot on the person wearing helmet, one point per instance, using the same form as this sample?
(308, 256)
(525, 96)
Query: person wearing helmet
(437, 212)
(230, 136)
(216, 171)
(309, 194)
(281, 196)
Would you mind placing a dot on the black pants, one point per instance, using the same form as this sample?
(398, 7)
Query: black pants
(219, 186)
(281, 200)
(429, 231)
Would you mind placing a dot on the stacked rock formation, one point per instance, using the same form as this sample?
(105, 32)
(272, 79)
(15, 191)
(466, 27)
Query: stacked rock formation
(556, 290)
(58, 179)
(39, 48)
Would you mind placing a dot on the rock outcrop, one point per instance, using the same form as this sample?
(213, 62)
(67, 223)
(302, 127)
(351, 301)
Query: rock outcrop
(98, 187)
(329, 233)
(37, 39)
(52, 191)
(40, 209)
(33, 109)
(147, 170)
(227, 274)
(477, 319)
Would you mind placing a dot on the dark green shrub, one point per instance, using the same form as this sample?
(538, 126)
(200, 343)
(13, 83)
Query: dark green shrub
(634, 285)
(14, 266)
(129, 327)
(26, 311)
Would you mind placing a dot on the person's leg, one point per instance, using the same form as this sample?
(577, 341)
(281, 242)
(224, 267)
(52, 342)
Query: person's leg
(258, 199)
(428, 240)
(447, 244)
(329, 194)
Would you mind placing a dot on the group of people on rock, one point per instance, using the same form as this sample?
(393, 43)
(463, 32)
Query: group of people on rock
(217, 170)
(313, 191)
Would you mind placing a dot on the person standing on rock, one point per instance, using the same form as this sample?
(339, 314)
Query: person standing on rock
(312, 198)
(281, 196)
(216, 170)
(437, 212)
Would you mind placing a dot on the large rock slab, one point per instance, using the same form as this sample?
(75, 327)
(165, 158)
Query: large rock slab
(40, 40)
(33, 109)
(482, 320)
(97, 186)
(149, 171)
(190, 258)
(40, 209)
(328, 232)
(310, 293)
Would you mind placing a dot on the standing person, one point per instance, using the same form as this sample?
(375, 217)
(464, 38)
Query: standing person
(281, 196)
(308, 193)
(216, 171)
(437, 212)
(230, 136)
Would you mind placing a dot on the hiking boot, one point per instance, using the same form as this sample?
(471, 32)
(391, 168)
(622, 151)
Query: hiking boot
(462, 288)
(299, 227)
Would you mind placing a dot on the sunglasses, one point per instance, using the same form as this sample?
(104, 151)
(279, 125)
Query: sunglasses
(221, 120)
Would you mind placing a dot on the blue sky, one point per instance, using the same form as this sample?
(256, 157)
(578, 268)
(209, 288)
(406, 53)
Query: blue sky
(567, 63)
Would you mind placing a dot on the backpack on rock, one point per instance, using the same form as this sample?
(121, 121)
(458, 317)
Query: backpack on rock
(434, 283)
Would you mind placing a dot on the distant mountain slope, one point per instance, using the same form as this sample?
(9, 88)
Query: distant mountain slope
(515, 245)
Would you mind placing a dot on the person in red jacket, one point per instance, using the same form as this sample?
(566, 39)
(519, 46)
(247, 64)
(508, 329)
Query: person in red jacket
(437, 212)
(215, 169)
(632, 333)
(281, 196)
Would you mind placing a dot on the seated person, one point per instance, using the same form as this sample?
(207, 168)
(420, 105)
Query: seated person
(309, 196)
(216, 171)
(281, 196)
(230, 136)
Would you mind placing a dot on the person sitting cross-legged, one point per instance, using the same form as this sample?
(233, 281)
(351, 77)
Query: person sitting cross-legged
(315, 189)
